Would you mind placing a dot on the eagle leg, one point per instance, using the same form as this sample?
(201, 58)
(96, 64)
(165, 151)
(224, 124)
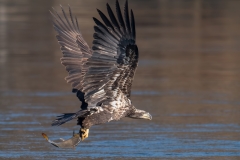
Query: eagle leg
(84, 133)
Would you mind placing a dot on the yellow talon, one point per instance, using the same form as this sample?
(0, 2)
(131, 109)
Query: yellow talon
(84, 133)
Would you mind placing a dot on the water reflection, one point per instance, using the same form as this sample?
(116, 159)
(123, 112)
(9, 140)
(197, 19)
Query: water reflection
(188, 78)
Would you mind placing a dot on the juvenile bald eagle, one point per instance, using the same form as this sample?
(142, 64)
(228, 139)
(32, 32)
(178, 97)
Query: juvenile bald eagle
(100, 76)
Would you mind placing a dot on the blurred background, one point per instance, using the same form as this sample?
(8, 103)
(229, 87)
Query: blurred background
(188, 78)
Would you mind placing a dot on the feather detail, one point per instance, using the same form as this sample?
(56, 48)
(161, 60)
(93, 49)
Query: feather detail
(104, 72)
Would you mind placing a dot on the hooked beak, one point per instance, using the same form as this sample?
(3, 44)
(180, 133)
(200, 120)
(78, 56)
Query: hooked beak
(146, 116)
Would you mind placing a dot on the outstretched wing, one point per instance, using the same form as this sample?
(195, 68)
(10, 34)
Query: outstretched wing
(114, 60)
(74, 48)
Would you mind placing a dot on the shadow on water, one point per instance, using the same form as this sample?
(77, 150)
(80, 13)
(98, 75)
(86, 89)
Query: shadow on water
(188, 79)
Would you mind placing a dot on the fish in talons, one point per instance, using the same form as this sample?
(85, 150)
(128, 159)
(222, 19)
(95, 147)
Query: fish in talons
(69, 143)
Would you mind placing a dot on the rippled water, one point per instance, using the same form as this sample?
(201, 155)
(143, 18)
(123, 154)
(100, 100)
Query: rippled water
(188, 79)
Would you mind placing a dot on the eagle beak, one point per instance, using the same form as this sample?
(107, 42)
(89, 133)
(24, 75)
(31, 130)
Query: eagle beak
(147, 116)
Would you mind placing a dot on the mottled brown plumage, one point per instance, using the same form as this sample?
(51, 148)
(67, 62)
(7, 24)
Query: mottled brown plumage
(101, 76)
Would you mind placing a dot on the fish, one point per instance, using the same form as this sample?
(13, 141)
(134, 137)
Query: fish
(69, 143)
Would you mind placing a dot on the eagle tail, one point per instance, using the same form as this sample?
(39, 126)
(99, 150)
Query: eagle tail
(65, 117)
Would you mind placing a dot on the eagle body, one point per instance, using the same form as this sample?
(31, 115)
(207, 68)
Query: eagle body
(108, 111)
(101, 76)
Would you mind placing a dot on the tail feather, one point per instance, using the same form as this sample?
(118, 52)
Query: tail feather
(65, 117)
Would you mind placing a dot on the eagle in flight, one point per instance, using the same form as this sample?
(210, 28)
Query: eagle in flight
(100, 76)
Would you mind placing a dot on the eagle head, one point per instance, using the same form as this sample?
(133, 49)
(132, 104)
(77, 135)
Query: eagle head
(140, 114)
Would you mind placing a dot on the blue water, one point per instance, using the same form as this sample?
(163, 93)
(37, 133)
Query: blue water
(22, 124)
(130, 141)
(133, 139)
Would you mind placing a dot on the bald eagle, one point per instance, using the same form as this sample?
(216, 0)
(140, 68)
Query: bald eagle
(100, 76)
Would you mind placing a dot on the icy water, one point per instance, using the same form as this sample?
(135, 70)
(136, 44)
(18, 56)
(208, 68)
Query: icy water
(188, 79)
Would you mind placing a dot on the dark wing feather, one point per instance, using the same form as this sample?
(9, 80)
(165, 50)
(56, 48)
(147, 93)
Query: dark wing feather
(133, 25)
(75, 51)
(126, 15)
(112, 17)
(105, 19)
(120, 18)
(114, 60)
